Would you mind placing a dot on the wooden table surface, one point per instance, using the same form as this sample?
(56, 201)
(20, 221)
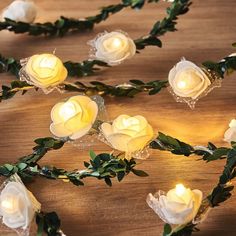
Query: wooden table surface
(205, 33)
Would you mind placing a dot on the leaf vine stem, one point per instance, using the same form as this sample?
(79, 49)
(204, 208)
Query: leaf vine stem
(226, 66)
(89, 67)
(48, 223)
(122, 90)
(102, 166)
(107, 166)
(167, 24)
(63, 25)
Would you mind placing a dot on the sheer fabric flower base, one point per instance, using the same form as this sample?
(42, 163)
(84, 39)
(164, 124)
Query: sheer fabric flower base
(36, 205)
(90, 140)
(24, 76)
(216, 82)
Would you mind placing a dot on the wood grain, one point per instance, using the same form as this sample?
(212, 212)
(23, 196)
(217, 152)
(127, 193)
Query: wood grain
(205, 33)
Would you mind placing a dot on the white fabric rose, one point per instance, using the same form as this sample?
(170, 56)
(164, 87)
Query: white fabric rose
(21, 10)
(17, 206)
(188, 80)
(128, 134)
(44, 71)
(232, 54)
(73, 118)
(177, 207)
(230, 134)
(114, 47)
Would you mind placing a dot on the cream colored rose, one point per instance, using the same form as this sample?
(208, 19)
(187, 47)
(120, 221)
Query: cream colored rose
(230, 134)
(128, 134)
(45, 70)
(17, 206)
(179, 206)
(114, 47)
(188, 80)
(73, 118)
(232, 54)
(20, 10)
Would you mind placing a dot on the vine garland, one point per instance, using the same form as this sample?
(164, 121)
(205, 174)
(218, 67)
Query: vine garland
(106, 166)
(64, 24)
(226, 66)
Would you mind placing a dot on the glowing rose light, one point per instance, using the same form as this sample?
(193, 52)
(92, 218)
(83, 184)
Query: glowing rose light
(113, 48)
(17, 205)
(128, 134)
(21, 10)
(73, 118)
(188, 80)
(178, 207)
(45, 71)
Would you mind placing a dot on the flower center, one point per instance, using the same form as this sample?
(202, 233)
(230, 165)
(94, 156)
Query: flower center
(180, 190)
(127, 123)
(181, 84)
(116, 43)
(188, 80)
(9, 205)
(68, 110)
(48, 63)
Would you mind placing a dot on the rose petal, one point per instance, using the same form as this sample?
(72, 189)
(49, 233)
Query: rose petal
(197, 200)
(18, 10)
(55, 113)
(77, 127)
(81, 99)
(118, 141)
(81, 132)
(59, 130)
(232, 123)
(139, 142)
(106, 129)
(92, 111)
(230, 135)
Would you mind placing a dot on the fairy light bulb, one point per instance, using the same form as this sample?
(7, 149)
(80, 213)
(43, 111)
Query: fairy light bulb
(116, 43)
(130, 121)
(48, 63)
(67, 111)
(180, 190)
(182, 84)
(9, 205)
